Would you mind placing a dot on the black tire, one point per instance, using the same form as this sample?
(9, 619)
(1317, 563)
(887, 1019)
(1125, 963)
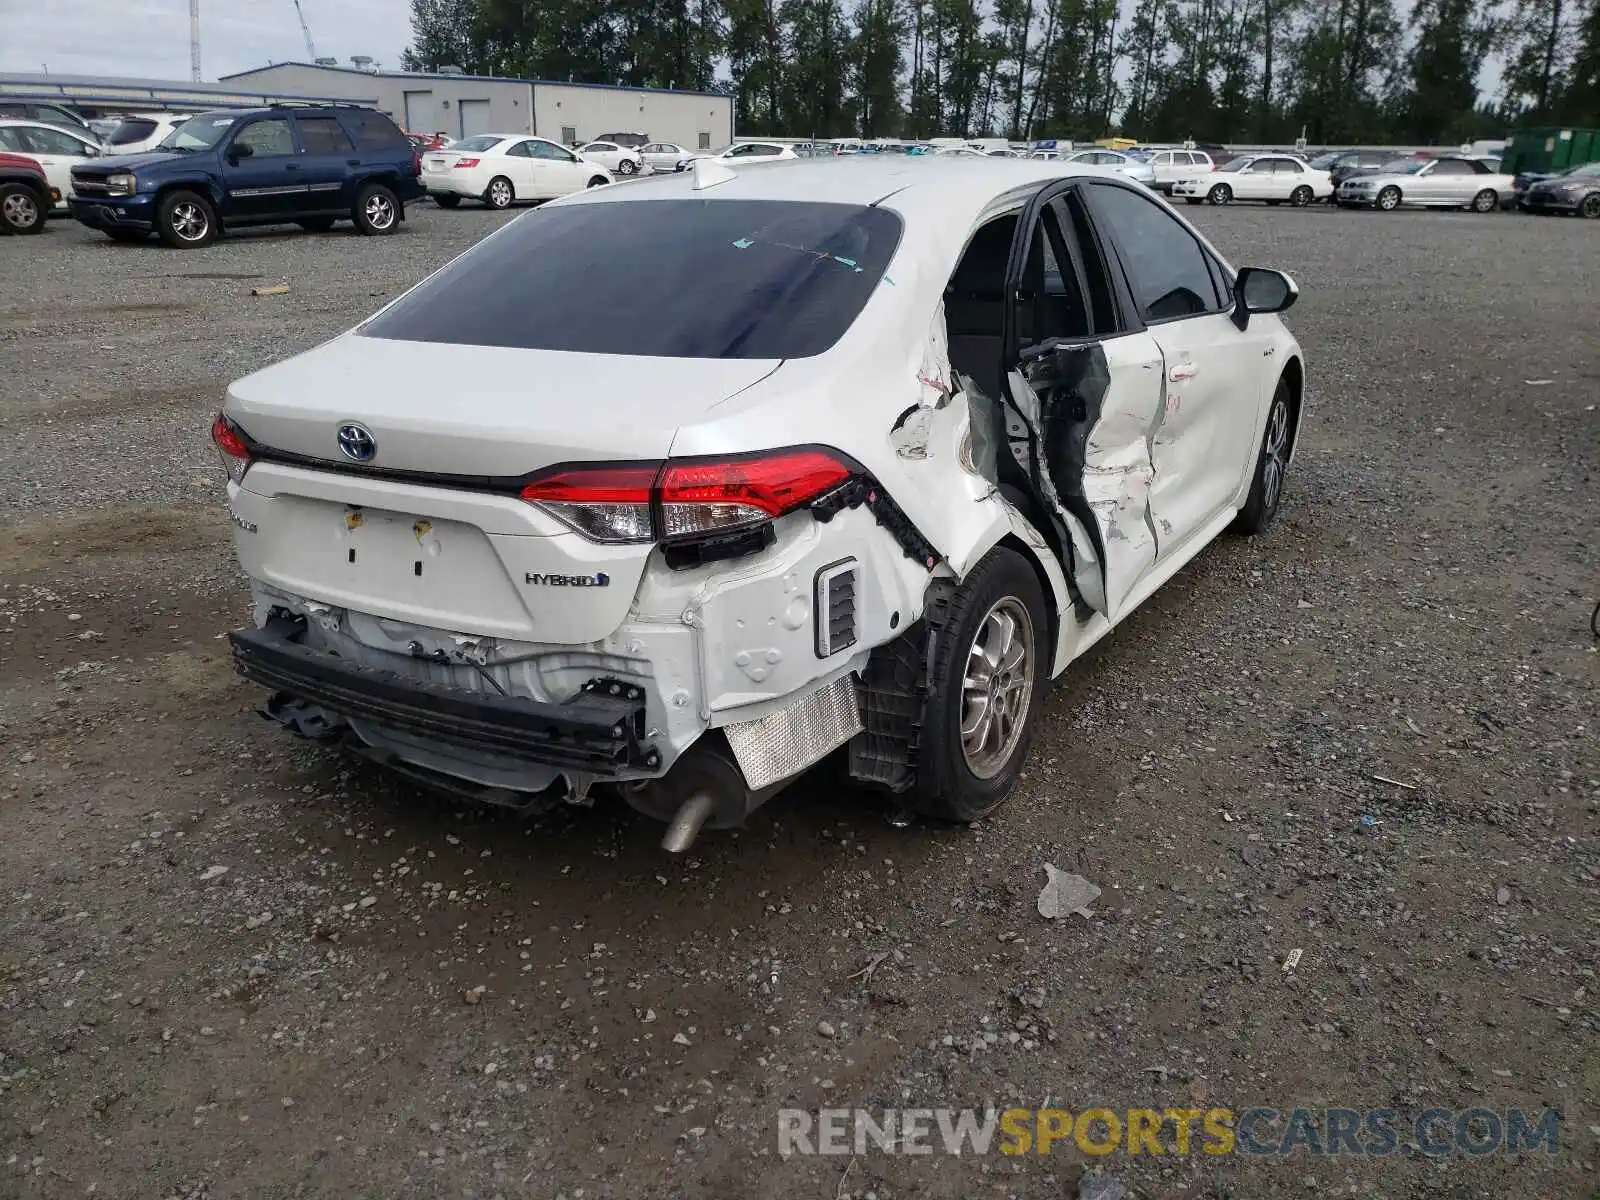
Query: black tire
(21, 210)
(128, 237)
(376, 211)
(499, 193)
(1589, 207)
(627, 167)
(598, 181)
(185, 220)
(1388, 199)
(1302, 196)
(1220, 194)
(1485, 201)
(446, 199)
(947, 787)
(1266, 485)
(315, 224)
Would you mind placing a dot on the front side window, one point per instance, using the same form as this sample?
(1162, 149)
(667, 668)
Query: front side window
(548, 150)
(324, 135)
(1166, 267)
(53, 141)
(271, 138)
(757, 279)
(11, 139)
(520, 150)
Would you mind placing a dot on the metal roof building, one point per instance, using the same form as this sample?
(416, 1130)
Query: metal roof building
(94, 95)
(463, 105)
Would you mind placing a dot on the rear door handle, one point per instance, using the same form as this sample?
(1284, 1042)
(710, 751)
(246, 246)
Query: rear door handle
(1183, 371)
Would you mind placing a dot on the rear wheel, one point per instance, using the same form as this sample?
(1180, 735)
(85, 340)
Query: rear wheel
(446, 199)
(186, 220)
(499, 193)
(1301, 196)
(20, 209)
(627, 167)
(315, 224)
(986, 688)
(1485, 201)
(1266, 489)
(1389, 199)
(1221, 194)
(376, 211)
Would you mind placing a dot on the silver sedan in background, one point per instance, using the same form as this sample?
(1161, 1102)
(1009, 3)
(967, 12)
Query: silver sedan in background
(665, 156)
(1139, 172)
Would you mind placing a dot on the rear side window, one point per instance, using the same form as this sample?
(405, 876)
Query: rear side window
(130, 130)
(727, 279)
(1166, 268)
(323, 135)
(374, 131)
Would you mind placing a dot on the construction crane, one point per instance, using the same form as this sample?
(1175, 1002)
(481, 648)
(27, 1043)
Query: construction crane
(194, 40)
(311, 50)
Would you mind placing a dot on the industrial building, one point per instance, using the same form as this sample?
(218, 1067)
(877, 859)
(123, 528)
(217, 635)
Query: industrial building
(462, 105)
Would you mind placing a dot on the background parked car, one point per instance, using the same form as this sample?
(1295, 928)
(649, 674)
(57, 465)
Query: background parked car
(24, 195)
(1123, 164)
(665, 156)
(429, 141)
(1449, 182)
(1273, 178)
(55, 149)
(1573, 191)
(621, 160)
(136, 133)
(754, 152)
(270, 166)
(43, 113)
(632, 141)
(1350, 163)
(1172, 165)
(501, 169)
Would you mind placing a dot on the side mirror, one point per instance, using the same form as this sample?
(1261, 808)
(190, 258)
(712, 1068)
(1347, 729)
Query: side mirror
(1261, 290)
(240, 150)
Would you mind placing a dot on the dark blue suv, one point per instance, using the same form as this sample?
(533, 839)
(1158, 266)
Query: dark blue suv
(310, 166)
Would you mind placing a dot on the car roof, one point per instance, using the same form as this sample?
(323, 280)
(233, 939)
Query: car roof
(949, 189)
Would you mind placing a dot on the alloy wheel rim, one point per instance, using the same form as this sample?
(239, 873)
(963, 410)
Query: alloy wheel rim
(1484, 202)
(380, 213)
(500, 194)
(1219, 194)
(1388, 200)
(1591, 206)
(997, 688)
(1273, 463)
(20, 210)
(189, 222)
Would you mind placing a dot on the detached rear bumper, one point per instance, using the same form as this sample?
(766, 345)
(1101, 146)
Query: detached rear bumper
(600, 732)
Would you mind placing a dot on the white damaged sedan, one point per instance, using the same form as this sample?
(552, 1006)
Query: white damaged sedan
(874, 451)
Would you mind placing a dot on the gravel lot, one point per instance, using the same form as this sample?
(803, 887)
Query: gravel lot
(384, 995)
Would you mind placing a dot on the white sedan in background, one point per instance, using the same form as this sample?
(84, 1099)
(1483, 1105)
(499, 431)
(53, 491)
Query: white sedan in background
(54, 149)
(665, 156)
(621, 160)
(500, 170)
(1274, 178)
(1172, 165)
(1123, 164)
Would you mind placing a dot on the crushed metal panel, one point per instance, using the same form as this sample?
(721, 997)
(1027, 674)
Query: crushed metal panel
(782, 744)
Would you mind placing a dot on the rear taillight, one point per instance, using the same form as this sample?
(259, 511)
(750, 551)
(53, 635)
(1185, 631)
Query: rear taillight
(235, 454)
(466, 162)
(416, 162)
(604, 503)
(685, 498)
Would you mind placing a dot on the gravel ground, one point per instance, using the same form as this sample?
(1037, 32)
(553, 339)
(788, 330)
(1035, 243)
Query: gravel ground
(382, 994)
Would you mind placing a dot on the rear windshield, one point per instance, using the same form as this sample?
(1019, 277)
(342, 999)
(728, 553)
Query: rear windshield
(477, 145)
(661, 278)
(131, 129)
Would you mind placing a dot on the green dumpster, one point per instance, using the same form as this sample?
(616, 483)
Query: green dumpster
(1546, 151)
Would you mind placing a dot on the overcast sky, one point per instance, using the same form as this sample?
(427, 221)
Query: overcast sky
(150, 38)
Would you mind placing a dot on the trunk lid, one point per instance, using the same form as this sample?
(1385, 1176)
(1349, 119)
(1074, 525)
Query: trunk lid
(481, 410)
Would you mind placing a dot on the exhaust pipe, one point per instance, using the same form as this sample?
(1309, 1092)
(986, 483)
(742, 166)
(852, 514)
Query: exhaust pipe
(686, 822)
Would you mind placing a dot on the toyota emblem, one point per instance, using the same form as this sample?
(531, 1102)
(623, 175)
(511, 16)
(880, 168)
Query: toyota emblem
(357, 442)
